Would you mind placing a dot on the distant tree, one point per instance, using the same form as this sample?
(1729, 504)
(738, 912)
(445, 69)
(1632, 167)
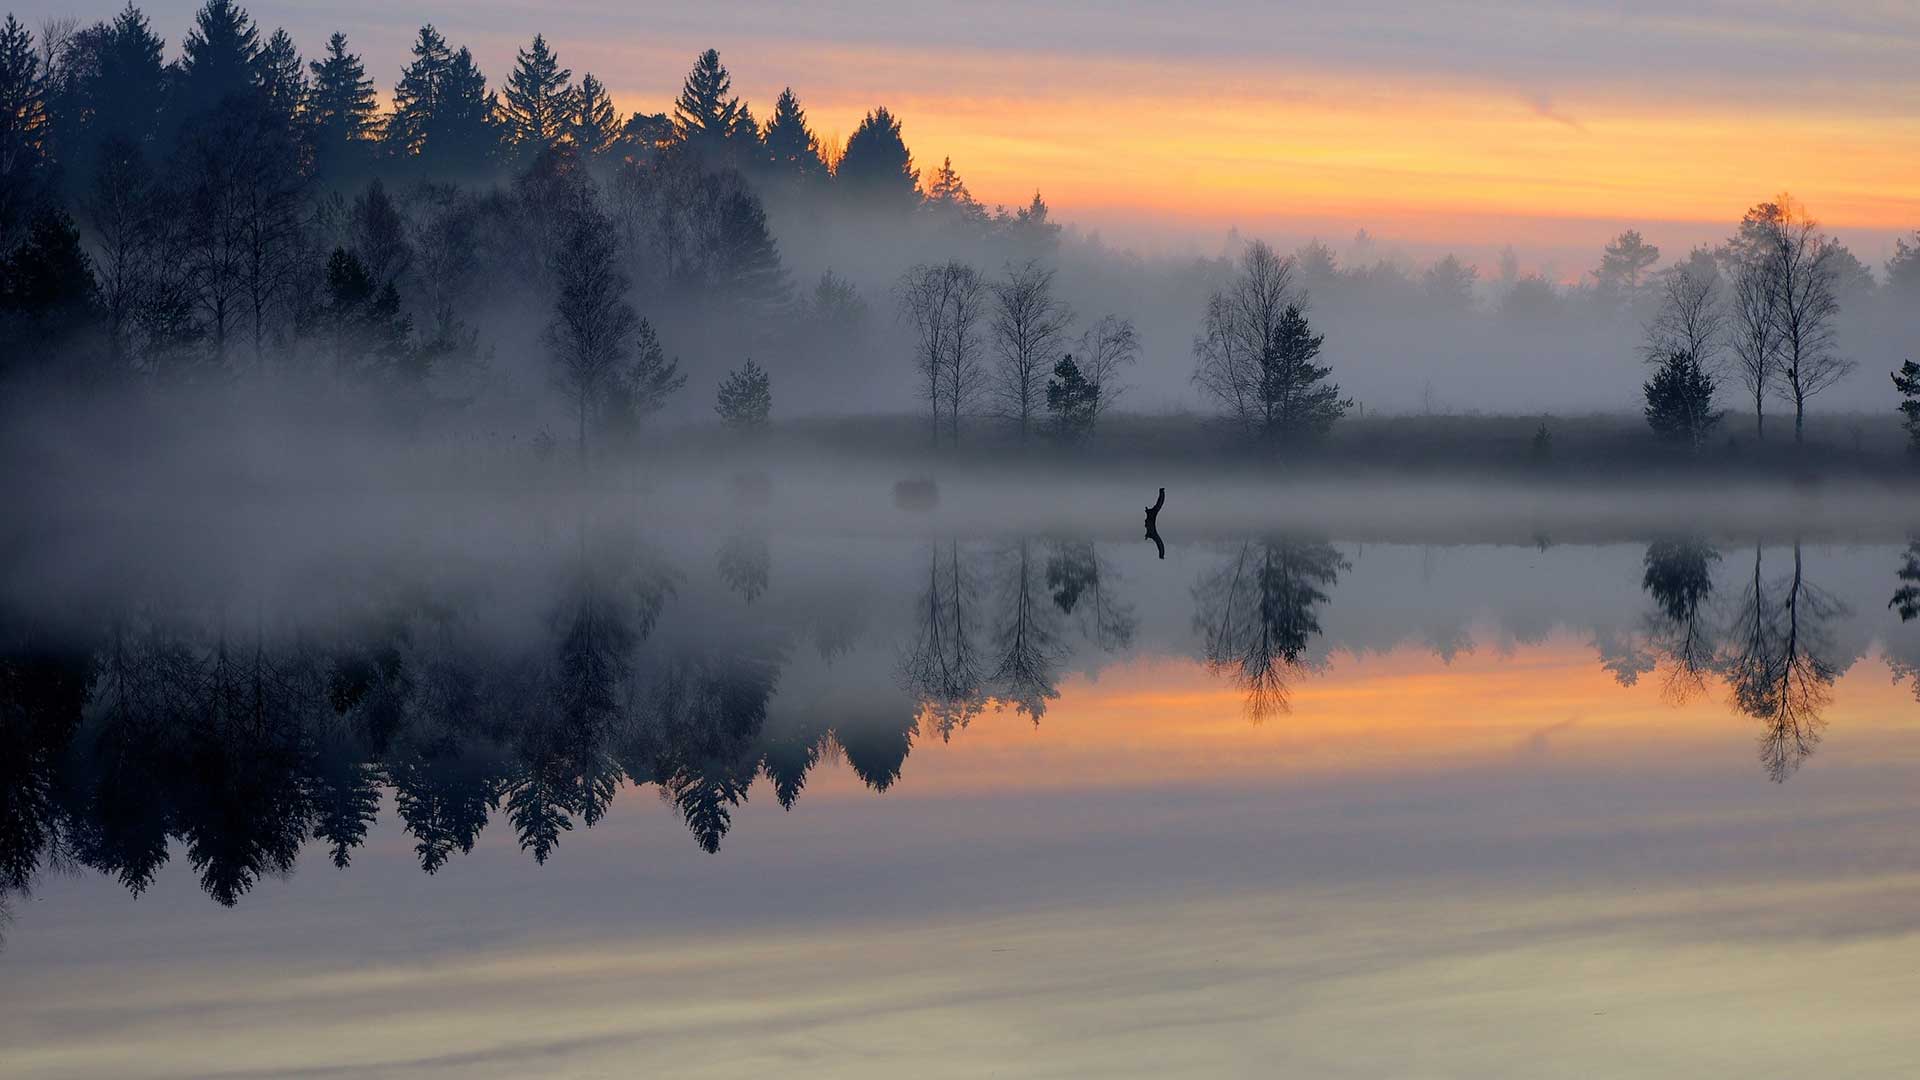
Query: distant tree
(1106, 347)
(1449, 283)
(641, 388)
(1073, 401)
(944, 303)
(1031, 230)
(1540, 449)
(1907, 382)
(792, 147)
(366, 331)
(593, 128)
(1255, 355)
(593, 325)
(1755, 336)
(1903, 270)
(745, 398)
(924, 295)
(1680, 400)
(949, 200)
(1531, 300)
(644, 135)
(1622, 272)
(113, 85)
(537, 105)
(343, 108)
(380, 235)
(443, 116)
(876, 169)
(1027, 327)
(420, 97)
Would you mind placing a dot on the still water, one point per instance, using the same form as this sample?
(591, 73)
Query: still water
(732, 798)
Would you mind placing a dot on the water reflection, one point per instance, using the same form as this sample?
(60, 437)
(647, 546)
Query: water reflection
(231, 735)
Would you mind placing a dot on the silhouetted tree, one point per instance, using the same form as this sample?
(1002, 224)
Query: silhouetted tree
(220, 61)
(1796, 271)
(592, 127)
(443, 116)
(1622, 273)
(944, 304)
(745, 564)
(368, 334)
(876, 170)
(1449, 283)
(1691, 318)
(792, 147)
(23, 129)
(1778, 663)
(949, 202)
(709, 120)
(943, 666)
(48, 296)
(1680, 401)
(1072, 400)
(1906, 382)
(1080, 581)
(1027, 327)
(1903, 269)
(538, 102)
(745, 398)
(1026, 639)
(1906, 599)
(379, 236)
(343, 109)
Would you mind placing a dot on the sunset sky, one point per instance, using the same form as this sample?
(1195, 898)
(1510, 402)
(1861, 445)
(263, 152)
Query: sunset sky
(1550, 125)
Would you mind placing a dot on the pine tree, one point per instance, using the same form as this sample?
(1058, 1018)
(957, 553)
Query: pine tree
(707, 113)
(947, 195)
(419, 97)
(1907, 382)
(368, 334)
(877, 168)
(341, 103)
(283, 80)
(23, 128)
(1680, 400)
(116, 88)
(791, 146)
(1073, 401)
(47, 292)
(593, 128)
(219, 60)
(642, 387)
(745, 398)
(1295, 404)
(537, 104)
(471, 138)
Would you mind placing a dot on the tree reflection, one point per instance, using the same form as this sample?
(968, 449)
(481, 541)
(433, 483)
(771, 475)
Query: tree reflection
(1679, 579)
(1081, 581)
(1778, 662)
(1906, 598)
(1026, 636)
(943, 668)
(1259, 611)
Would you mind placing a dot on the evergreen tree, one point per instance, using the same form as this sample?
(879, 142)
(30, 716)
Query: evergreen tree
(23, 128)
(114, 89)
(745, 398)
(1903, 269)
(341, 106)
(47, 292)
(593, 127)
(791, 146)
(419, 97)
(368, 334)
(877, 169)
(1907, 382)
(643, 386)
(1680, 400)
(948, 197)
(644, 134)
(283, 81)
(1295, 404)
(470, 139)
(537, 104)
(706, 114)
(1031, 229)
(593, 325)
(1073, 401)
(219, 60)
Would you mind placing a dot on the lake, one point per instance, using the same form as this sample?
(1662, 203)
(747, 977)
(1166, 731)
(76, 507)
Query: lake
(606, 792)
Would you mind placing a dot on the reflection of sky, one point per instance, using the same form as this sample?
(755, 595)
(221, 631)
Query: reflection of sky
(1471, 123)
(1506, 865)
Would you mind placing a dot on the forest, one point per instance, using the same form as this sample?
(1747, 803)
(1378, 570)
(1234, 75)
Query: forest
(235, 226)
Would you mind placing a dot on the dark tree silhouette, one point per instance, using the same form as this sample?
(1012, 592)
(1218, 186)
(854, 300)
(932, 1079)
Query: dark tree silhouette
(1081, 582)
(343, 109)
(538, 103)
(1027, 325)
(592, 126)
(1073, 401)
(1255, 355)
(1026, 635)
(1679, 397)
(1778, 663)
(1906, 599)
(1906, 382)
(745, 399)
(943, 668)
(876, 169)
(792, 147)
(1679, 580)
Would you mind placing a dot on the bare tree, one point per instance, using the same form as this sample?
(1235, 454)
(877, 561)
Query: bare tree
(1792, 267)
(593, 323)
(964, 378)
(1029, 324)
(1692, 317)
(924, 293)
(1242, 321)
(1107, 346)
(1756, 342)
